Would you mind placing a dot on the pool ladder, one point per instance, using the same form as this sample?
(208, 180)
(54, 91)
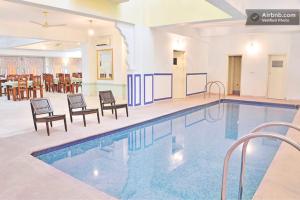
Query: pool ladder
(217, 83)
(245, 140)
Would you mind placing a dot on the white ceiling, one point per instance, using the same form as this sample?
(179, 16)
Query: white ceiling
(237, 24)
(14, 12)
(19, 14)
(9, 42)
(52, 46)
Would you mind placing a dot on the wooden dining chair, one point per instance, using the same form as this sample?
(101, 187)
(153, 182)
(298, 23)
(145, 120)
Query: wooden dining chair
(77, 106)
(49, 83)
(42, 106)
(108, 102)
(61, 82)
(45, 78)
(68, 84)
(37, 85)
(23, 88)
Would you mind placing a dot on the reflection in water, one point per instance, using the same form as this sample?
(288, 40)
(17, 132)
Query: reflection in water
(213, 115)
(232, 121)
(179, 157)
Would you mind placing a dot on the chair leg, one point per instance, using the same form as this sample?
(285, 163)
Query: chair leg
(50, 121)
(127, 111)
(102, 112)
(84, 122)
(47, 125)
(41, 92)
(65, 122)
(35, 127)
(116, 113)
(71, 117)
(98, 117)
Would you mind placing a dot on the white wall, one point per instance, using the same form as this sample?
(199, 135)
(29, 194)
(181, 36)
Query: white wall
(210, 54)
(150, 51)
(118, 84)
(255, 66)
(160, 52)
(293, 80)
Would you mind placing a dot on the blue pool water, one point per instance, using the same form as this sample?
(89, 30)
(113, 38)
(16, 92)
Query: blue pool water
(175, 157)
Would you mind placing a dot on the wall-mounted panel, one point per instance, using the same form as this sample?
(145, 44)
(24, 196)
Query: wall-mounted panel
(195, 83)
(148, 88)
(137, 90)
(163, 86)
(130, 89)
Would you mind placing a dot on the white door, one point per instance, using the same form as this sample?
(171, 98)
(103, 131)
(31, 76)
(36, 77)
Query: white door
(276, 82)
(179, 74)
(234, 75)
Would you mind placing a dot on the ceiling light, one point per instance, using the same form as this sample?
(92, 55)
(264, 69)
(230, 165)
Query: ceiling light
(252, 48)
(91, 31)
(95, 172)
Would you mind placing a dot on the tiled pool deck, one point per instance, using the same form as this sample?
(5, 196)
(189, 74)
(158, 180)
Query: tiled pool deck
(25, 177)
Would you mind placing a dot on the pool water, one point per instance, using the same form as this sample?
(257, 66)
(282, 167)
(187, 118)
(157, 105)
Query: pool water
(175, 157)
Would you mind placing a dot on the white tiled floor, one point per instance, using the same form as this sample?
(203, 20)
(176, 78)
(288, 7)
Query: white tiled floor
(24, 177)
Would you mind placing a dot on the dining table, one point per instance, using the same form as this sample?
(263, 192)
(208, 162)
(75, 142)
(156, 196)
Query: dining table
(73, 80)
(14, 86)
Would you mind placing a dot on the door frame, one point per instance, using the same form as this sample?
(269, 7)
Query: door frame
(183, 53)
(229, 55)
(284, 73)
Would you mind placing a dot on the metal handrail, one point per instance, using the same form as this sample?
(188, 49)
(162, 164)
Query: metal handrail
(223, 86)
(244, 149)
(219, 84)
(208, 90)
(244, 139)
(206, 86)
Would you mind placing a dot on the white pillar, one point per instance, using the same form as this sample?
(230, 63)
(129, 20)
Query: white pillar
(89, 67)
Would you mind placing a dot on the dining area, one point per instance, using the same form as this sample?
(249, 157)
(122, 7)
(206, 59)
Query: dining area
(18, 87)
(28, 77)
(63, 83)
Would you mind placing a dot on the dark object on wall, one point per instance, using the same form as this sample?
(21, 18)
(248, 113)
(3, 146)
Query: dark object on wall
(174, 61)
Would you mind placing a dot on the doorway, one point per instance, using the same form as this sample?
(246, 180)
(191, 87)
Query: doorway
(234, 75)
(179, 74)
(276, 80)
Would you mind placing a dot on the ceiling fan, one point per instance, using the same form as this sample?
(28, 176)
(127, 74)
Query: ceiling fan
(46, 24)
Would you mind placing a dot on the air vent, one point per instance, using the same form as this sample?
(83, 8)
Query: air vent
(103, 41)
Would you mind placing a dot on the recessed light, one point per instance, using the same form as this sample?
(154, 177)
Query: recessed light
(91, 32)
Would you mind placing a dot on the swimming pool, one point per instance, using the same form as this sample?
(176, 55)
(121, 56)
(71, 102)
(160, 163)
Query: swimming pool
(179, 156)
